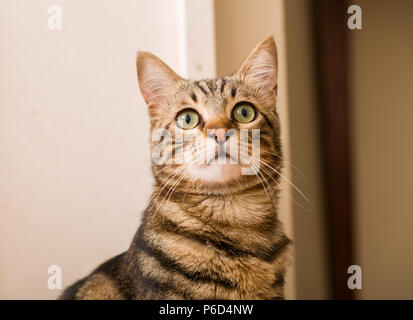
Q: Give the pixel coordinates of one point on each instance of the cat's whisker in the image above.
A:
(302, 176)
(163, 198)
(174, 186)
(262, 180)
(262, 183)
(188, 183)
(172, 177)
(287, 192)
(286, 179)
(170, 190)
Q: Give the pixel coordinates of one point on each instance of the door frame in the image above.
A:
(332, 47)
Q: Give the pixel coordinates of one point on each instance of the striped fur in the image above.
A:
(204, 239)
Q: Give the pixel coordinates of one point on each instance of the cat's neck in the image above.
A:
(251, 211)
(250, 203)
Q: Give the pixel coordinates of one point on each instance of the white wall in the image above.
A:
(74, 155)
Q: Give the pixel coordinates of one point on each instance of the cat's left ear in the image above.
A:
(157, 81)
(261, 68)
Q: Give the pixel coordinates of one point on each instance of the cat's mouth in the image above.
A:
(219, 168)
(222, 157)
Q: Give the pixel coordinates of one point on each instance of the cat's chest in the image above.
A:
(236, 210)
(224, 247)
(251, 279)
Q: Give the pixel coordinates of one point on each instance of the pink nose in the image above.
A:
(218, 134)
(218, 129)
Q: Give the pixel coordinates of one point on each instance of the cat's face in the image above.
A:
(213, 135)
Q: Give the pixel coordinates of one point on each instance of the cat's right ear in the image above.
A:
(157, 81)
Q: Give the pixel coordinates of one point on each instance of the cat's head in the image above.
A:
(217, 135)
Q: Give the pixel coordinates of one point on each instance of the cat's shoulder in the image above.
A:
(105, 282)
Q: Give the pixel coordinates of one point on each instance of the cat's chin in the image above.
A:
(216, 173)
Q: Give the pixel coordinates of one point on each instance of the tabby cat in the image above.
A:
(210, 231)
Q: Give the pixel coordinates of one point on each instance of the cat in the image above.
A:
(210, 231)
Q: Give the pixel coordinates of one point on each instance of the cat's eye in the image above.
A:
(187, 119)
(243, 113)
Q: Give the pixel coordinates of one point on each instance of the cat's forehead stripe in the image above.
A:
(223, 82)
(200, 86)
(233, 92)
(212, 85)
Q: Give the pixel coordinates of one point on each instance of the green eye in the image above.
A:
(187, 119)
(243, 113)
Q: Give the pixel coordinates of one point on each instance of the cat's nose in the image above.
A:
(220, 135)
(219, 130)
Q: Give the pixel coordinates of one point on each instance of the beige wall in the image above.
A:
(240, 24)
(311, 246)
(382, 83)
(74, 155)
